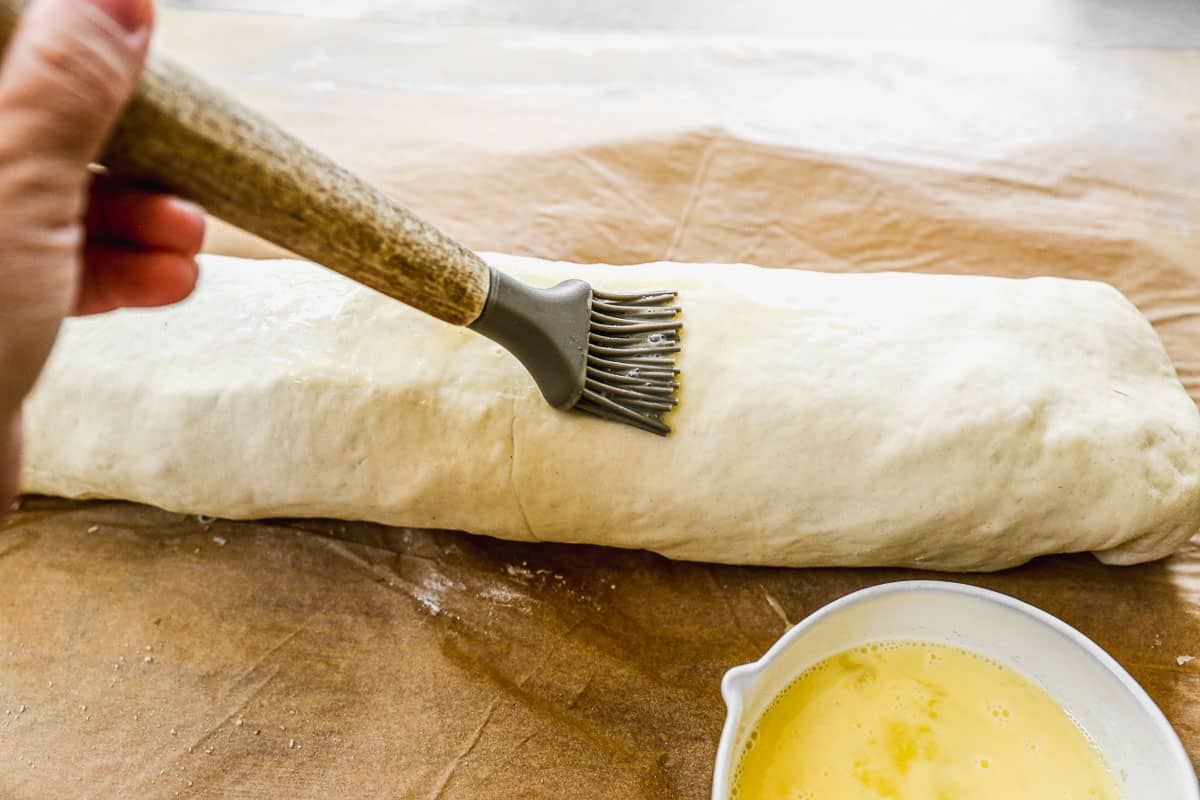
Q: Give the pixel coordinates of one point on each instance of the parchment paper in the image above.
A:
(143, 654)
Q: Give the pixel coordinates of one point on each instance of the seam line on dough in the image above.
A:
(512, 472)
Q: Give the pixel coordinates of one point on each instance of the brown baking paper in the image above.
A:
(145, 654)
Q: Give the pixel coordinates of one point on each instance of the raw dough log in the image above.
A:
(956, 423)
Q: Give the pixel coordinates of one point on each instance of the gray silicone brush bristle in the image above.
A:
(609, 355)
(631, 375)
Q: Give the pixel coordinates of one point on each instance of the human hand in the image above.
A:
(72, 242)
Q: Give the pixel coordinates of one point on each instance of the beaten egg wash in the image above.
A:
(918, 721)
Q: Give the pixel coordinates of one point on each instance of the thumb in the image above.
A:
(70, 67)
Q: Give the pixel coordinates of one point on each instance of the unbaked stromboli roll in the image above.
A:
(945, 422)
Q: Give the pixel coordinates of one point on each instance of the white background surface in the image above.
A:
(1108, 23)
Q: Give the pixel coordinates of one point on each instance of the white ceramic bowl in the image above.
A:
(1136, 739)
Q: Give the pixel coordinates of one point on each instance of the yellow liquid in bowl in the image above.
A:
(918, 721)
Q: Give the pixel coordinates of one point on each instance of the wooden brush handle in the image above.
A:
(183, 136)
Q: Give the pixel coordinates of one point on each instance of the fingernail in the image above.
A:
(188, 206)
(132, 15)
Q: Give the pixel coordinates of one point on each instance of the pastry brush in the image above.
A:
(607, 354)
